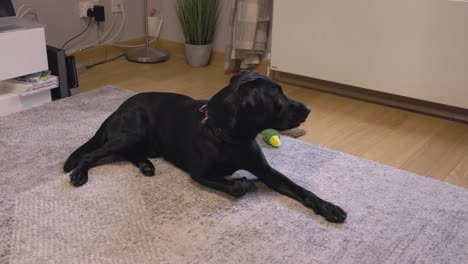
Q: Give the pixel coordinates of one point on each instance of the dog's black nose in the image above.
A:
(304, 110)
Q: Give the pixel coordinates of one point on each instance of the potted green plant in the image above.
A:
(197, 19)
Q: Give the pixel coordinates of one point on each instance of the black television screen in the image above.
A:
(6, 8)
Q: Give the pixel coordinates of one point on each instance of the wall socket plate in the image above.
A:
(115, 6)
(84, 5)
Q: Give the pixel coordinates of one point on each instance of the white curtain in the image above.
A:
(248, 34)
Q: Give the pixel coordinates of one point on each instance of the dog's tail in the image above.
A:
(92, 144)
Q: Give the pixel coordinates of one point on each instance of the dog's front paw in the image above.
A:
(147, 169)
(78, 177)
(240, 187)
(331, 213)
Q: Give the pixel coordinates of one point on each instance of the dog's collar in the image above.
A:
(204, 110)
(218, 132)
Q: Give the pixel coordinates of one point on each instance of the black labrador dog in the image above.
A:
(207, 139)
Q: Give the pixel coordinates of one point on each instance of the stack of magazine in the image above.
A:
(32, 83)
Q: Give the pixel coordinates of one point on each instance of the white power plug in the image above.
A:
(115, 6)
(85, 5)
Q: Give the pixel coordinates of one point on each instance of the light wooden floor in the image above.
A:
(426, 145)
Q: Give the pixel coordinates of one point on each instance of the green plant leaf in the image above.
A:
(197, 19)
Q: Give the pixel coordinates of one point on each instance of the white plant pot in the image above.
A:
(198, 55)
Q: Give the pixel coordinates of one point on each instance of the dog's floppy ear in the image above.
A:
(244, 77)
(245, 83)
(239, 75)
(247, 93)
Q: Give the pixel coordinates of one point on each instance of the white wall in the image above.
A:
(62, 20)
(171, 29)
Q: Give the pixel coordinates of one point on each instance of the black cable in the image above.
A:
(104, 61)
(104, 46)
(81, 33)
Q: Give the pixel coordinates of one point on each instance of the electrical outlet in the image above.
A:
(115, 6)
(85, 5)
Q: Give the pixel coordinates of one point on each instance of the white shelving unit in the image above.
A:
(22, 51)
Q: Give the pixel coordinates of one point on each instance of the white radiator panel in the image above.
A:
(416, 48)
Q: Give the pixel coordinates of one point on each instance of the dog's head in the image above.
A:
(253, 101)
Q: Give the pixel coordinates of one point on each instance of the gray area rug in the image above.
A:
(120, 216)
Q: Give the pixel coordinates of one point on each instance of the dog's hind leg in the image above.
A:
(93, 143)
(75, 157)
(120, 133)
(145, 166)
(80, 175)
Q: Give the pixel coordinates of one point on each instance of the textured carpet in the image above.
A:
(120, 216)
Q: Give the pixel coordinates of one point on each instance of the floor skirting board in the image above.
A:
(425, 107)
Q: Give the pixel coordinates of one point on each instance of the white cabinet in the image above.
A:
(416, 48)
(22, 51)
